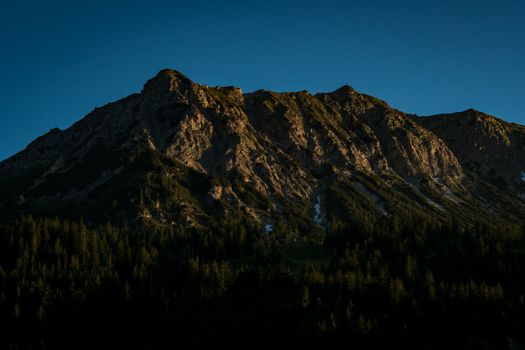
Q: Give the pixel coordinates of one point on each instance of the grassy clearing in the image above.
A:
(296, 254)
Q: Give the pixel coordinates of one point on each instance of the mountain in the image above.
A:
(183, 153)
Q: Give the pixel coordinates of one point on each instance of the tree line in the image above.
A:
(415, 283)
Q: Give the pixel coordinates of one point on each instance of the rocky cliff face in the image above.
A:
(180, 152)
(484, 144)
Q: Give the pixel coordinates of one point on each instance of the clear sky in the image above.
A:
(60, 59)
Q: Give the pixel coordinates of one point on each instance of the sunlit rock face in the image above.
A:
(181, 152)
(483, 143)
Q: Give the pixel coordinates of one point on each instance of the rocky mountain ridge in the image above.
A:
(183, 153)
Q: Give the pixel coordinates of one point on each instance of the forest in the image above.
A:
(415, 283)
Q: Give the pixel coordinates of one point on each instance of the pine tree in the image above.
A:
(397, 290)
(430, 286)
(305, 297)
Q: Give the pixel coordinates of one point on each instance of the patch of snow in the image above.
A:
(434, 204)
(53, 169)
(371, 196)
(317, 210)
(428, 200)
(268, 228)
(437, 179)
(104, 177)
(523, 176)
(21, 200)
(452, 196)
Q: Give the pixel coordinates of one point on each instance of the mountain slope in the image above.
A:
(184, 153)
(485, 144)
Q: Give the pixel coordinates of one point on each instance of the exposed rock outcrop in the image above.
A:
(181, 152)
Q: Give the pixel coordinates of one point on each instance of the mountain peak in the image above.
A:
(171, 73)
(345, 89)
(344, 92)
(166, 83)
(196, 152)
(471, 110)
(167, 79)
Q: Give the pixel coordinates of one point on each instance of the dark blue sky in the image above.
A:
(60, 59)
